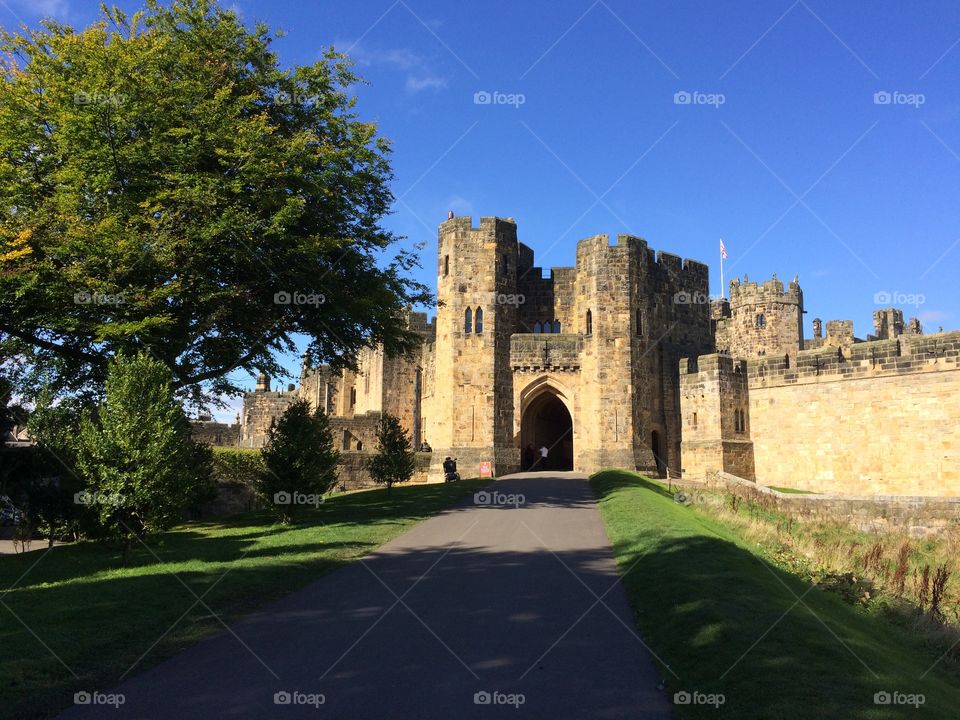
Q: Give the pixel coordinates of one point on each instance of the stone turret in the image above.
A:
(764, 319)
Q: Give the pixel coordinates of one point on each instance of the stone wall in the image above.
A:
(918, 516)
(871, 418)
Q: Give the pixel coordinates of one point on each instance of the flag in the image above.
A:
(723, 249)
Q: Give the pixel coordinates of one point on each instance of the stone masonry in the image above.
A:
(623, 361)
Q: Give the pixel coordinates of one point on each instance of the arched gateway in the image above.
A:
(546, 421)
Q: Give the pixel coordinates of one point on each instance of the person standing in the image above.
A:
(544, 451)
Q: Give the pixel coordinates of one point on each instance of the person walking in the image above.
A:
(529, 457)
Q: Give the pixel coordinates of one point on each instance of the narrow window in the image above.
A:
(761, 321)
(479, 320)
(546, 326)
(536, 327)
(446, 265)
(556, 326)
(589, 323)
(694, 420)
(353, 396)
(468, 321)
(639, 322)
(359, 445)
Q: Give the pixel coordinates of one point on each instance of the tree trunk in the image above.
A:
(126, 551)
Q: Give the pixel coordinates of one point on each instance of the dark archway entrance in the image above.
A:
(547, 422)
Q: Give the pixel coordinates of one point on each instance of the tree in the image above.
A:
(53, 484)
(136, 453)
(300, 460)
(166, 185)
(395, 460)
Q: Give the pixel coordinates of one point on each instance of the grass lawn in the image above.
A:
(727, 621)
(791, 491)
(99, 619)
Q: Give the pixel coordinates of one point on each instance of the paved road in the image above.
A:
(497, 599)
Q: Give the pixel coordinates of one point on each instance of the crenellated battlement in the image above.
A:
(745, 293)
(904, 355)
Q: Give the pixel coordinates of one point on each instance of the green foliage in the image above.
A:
(136, 452)
(237, 466)
(395, 460)
(299, 459)
(166, 185)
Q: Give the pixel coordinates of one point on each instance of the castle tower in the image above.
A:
(473, 386)
(716, 416)
(887, 323)
(263, 383)
(764, 319)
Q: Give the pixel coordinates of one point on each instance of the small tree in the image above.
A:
(136, 452)
(300, 460)
(395, 459)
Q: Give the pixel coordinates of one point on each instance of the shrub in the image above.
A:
(395, 460)
(137, 454)
(299, 459)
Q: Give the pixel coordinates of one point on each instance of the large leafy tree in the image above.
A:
(300, 462)
(141, 466)
(165, 185)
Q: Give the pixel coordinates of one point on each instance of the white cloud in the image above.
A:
(459, 205)
(416, 84)
(933, 316)
(420, 75)
(57, 9)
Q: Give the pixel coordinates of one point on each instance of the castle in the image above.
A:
(624, 361)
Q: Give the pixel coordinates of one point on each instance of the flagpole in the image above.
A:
(723, 294)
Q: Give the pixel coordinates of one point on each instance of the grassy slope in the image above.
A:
(99, 619)
(702, 598)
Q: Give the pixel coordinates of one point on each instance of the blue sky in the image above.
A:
(785, 149)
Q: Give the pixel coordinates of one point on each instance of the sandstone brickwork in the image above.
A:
(624, 361)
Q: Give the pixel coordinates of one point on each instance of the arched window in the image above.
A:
(536, 327)
(478, 320)
(468, 321)
(359, 445)
(589, 323)
(546, 326)
(639, 322)
(556, 326)
(761, 321)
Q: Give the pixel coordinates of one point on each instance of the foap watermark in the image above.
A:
(896, 97)
(885, 297)
(84, 297)
(295, 98)
(99, 98)
(495, 697)
(515, 299)
(95, 697)
(95, 497)
(295, 697)
(685, 697)
(298, 298)
(485, 97)
(496, 498)
(695, 97)
(690, 298)
(297, 498)
(895, 697)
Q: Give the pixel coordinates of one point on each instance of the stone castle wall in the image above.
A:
(872, 418)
